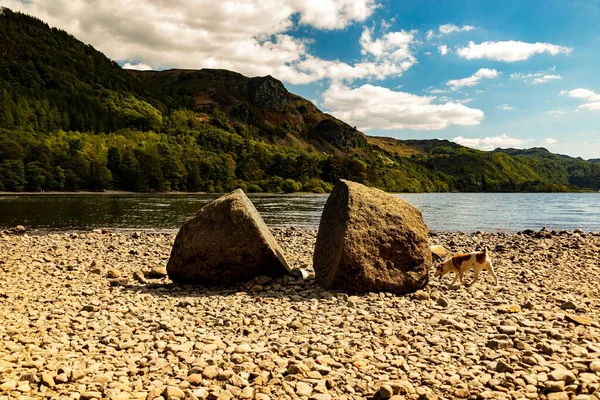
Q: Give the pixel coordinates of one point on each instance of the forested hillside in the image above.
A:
(72, 119)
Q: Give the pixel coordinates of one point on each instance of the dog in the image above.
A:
(460, 264)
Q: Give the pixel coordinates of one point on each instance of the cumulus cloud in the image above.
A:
(250, 36)
(443, 49)
(550, 141)
(580, 93)
(376, 107)
(509, 51)
(473, 80)
(555, 113)
(506, 107)
(493, 142)
(537, 77)
(138, 66)
(451, 28)
(592, 98)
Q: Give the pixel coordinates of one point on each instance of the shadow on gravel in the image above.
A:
(293, 290)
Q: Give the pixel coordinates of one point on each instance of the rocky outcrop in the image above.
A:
(226, 242)
(369, 240)
(339, 134)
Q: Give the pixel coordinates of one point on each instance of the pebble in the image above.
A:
(70, 327)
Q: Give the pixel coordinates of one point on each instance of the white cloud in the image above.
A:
(537, 77)
(595, 106)
(376, 107)
(555, 113)
(493, 142)
(430, 34)
(443, 49)
(138, 66)
(450, 28)
(506, 107)
(509, 51)
(592, 98)
(550, 141)
(250, 37)
(473, 80)
(580, 93)
(393, 45)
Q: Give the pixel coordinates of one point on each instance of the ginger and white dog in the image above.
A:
(460, 264)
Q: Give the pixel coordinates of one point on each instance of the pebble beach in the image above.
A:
(92, 315)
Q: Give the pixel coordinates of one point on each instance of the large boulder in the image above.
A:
(369, 240)
(225, 243)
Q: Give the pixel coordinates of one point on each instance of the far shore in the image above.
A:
(175, 192)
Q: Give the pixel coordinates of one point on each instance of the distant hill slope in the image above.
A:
(72, 119)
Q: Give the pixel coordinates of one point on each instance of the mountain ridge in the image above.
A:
(72, 119)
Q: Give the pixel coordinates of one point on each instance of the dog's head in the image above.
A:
(443, 268)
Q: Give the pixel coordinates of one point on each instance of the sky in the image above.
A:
(483, 73)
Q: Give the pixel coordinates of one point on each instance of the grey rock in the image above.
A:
(371, 241)
(225, 243)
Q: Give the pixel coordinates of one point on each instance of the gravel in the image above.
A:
(92, 316)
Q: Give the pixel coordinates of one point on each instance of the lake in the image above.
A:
(507, 212)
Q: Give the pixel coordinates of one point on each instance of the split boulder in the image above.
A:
(371, 241)
(225, 243)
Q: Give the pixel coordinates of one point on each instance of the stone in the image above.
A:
(420, 295)
(139, 276)
(321, 396)
(8, 386)
(442, 302)
(509, 309)
(48, 379)
(507, 329)
(113, 273)
(439, 252)
(561, 374)
(243, 348)
(554, 386)
(173, 392)
(225, 243)
(568, 305)
(210, 372)
(385, 392)
(595, 366)
(157, 272)
(503, 367)
(195, 379)
(558, 396)
(578, 319)
(90, 395)
(371, 241)
(303, 389)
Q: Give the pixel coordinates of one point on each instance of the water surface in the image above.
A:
(507, 212)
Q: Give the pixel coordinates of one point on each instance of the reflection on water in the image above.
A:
(441, 211)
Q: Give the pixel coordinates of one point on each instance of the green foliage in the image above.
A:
(72, 119)
(291, 186)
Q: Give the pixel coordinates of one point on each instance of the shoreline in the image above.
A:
(81, 319)
(125, 192)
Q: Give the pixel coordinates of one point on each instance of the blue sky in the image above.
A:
(486, 74)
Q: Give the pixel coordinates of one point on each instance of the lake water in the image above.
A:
(507, 212)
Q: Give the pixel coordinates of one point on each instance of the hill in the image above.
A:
(72, 119)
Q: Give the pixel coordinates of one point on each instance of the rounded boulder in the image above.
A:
(371, 241)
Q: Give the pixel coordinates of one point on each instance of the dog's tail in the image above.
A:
(485, 250)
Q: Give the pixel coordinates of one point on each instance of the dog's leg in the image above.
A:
(456, 276)
(477, 270)
(490, 269)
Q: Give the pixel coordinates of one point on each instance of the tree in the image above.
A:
(12, 175)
